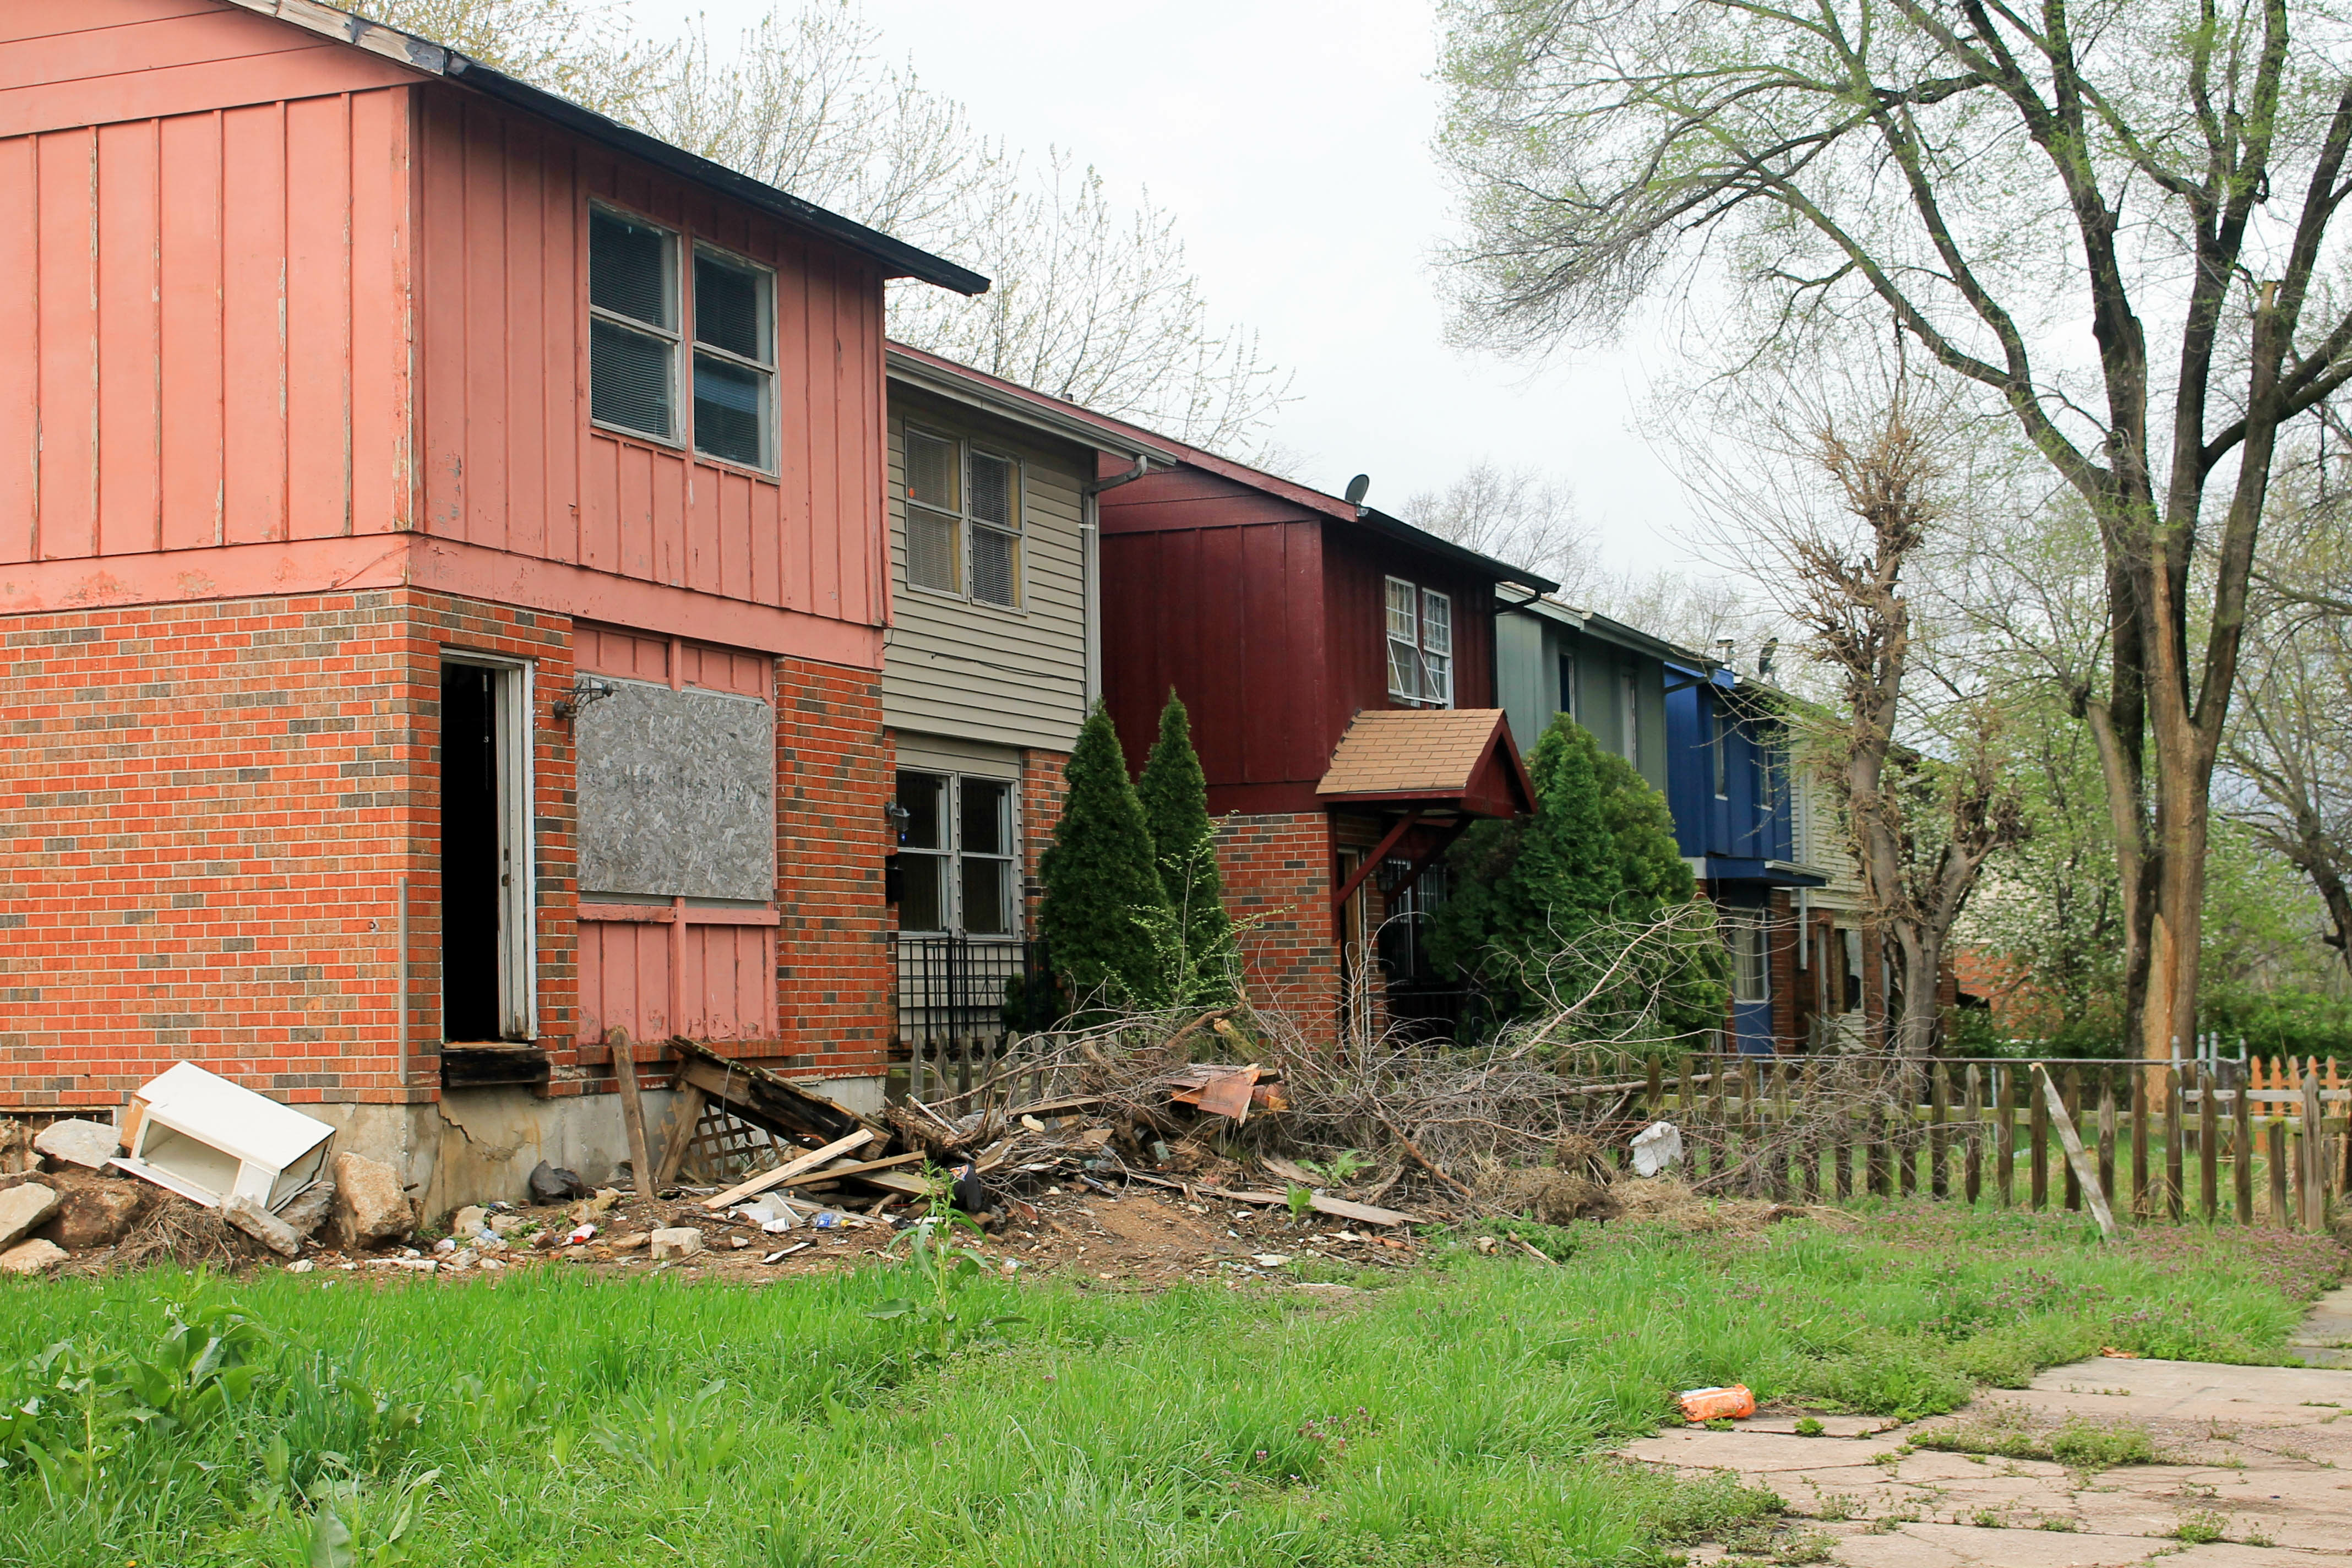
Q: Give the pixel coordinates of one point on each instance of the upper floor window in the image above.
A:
(632, 325)
(1421, 645)
(635, 340)
(734, 359)
(963, 520)
(1629, 716)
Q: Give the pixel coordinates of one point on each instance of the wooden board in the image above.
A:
(789, 1169)
(830, 1172)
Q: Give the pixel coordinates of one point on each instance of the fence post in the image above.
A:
(2241, 1123)
(2038, 1155)
(1939, 1094)
(2139, 1144)
(2004, 1138)
(2208, 1147)
(2175, 1184)
(2070, 1095)
(2314, 1155)
(2281, 1217)
(2108, 1135)
(1974, 1152)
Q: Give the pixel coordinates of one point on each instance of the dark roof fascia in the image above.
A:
(1459, 555)
(1008, 399)
(898, 258)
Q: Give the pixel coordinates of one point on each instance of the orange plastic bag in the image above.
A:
(1717, 1403)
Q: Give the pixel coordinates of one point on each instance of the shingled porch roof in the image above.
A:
(1437, 759)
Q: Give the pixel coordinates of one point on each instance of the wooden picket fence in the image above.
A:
(2259, 1141)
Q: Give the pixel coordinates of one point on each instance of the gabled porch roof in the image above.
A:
(1458, 760)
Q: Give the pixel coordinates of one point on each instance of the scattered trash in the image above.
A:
(1731, 1403)
(2113, 1353)
(1656, 1148)
(301, 1266)
(206, 1138)
(779, 1257)
(1270, 1259)
(583, 1234)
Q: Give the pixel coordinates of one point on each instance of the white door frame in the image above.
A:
(511, 709)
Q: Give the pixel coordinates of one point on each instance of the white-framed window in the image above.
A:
(964, 518)
(734, 359)
(1421, 644)
(632, 324)
(1751, 969)
(1849, 951)
(959, 865)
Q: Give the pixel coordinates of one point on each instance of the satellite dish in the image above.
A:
(1356, 488)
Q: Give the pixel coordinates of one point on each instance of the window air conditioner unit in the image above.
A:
(204, 1138)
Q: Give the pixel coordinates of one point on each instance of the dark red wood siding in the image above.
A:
(1267, 618)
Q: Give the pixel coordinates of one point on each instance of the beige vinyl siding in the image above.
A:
(953, 667)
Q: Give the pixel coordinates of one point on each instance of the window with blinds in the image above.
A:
(963, 520)
(734, 360)
(633, 334)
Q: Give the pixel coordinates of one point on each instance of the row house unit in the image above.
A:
(445, 575)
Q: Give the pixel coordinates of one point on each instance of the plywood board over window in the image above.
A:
(678, 793)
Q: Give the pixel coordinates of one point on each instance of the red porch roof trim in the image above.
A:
(1461, 758)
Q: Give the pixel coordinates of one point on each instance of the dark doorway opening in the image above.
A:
(471, 863)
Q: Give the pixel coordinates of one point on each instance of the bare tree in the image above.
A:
(1516, 515)
(1091, 299)
(1962, 166)
(1923, 828)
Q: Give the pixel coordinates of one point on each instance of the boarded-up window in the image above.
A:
(676, 793)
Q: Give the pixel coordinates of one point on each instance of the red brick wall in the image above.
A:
(832, 775)
(1277, 876)
(203, 813)
(1044, 787)
(205, 810)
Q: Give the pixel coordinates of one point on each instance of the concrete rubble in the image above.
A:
(21, 1208)
(89, 1144)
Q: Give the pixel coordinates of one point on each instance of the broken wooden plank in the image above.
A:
(901, 1183)
(859, 1168)
(1366, 1214)
(766, 1100)
(633, 1112)
(789, 1169)
(1226, 1095)
(2077, 1158)
(687, 1111)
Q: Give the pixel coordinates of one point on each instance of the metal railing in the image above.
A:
(962, 1000)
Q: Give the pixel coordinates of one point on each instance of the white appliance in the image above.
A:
(209, 1140)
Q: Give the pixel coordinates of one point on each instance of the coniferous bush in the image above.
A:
(1541, 905)
(1104, 904)
(1199, 939)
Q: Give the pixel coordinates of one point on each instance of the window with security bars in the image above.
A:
(632, 336)
(734, 360)
(956, 857)
(1421, 644)
(963, 520)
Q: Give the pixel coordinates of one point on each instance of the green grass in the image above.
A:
(1451, 1417)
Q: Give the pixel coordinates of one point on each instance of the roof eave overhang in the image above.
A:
(977, 389)
(898, 258)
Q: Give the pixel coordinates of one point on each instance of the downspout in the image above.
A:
(1090, 568)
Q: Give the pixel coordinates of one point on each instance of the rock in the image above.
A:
(473, 1217)
(675, 1242)
(507, 1223)
(370, 1206)
(311, 1207)
(594, 1207)
(553, 1184)
(17, 1154)
(31, 1258)
(79, 1143)
(631, 1242)
(21, 1208)
(301, 1266)
(262, 1225)
(487, 1241)
(95, 1212)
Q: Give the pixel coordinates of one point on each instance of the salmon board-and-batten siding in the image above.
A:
(956, 666)
(279, 297)
(204, 322)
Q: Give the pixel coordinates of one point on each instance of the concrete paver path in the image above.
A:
(2256, 1472)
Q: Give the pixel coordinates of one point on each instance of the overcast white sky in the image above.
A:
(1291, 140)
